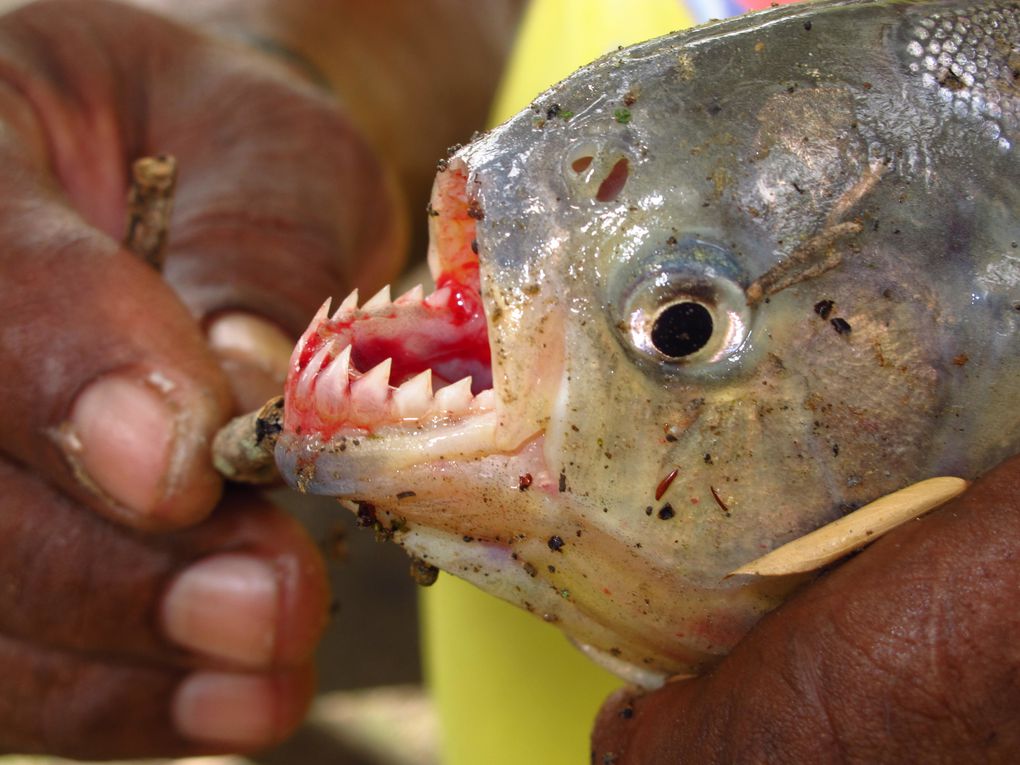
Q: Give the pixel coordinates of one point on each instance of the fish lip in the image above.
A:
(441, 404)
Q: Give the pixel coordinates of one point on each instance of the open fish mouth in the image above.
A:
(414, 371)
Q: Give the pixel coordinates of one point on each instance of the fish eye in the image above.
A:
(682, 328)
(683, 309)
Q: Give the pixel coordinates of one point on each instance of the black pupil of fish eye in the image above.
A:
(682, 329)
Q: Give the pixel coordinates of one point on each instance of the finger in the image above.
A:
(279, 202)
(906, 653)
(65, 704)
(246, 530)
(254, 354)
(114, 397)
(244, 589)
(108, 388)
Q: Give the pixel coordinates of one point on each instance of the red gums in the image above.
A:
(450, 338)
(312, 345)
(465, 303)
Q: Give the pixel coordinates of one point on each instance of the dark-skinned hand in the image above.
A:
(133, 620)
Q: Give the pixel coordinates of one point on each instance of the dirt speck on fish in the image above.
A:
(698, 271)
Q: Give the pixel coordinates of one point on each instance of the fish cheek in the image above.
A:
(620, 439)
(872, 385)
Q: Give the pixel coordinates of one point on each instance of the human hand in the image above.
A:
(116, 641)
(906, 653)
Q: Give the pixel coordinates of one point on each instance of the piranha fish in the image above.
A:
(704, 296)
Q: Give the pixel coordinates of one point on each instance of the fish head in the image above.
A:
(672, 329)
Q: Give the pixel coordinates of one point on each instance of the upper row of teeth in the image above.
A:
(339, 393)
(382, 299)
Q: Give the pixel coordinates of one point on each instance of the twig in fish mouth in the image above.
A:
(243, 448)
(861, 527)
(818, 254)
(150, 202)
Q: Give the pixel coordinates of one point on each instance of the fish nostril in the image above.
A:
(581, 164)
(613, 183)
(682, 329)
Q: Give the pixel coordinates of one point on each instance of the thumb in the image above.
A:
(108, 388)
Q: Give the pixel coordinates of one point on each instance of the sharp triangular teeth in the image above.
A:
(412, 399)
(323, 311)
(453, 398)
(381, 299)
(484, 401)
(304, 385)
(413, 296)
(349, 305)
(313, 327)
(439, 298)
(370, 392)
(332, 389)
(344, 360)
(380, 373)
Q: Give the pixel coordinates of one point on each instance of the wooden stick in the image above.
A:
(831, 542)
(150, 202)
(818, 254)
(243, 449)
(809, 261)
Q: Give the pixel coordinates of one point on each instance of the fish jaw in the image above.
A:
(396, 382)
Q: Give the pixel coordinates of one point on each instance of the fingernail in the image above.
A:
(120, 437)
(226, 607)
(255, 354)
(228, 709)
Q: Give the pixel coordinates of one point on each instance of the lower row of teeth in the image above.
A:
(340, 393)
